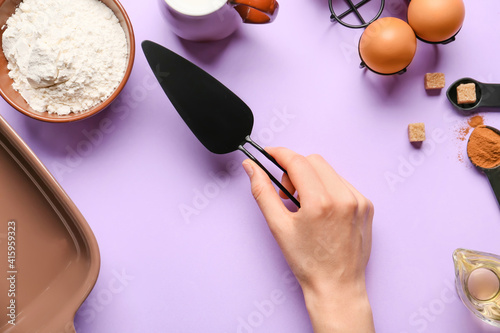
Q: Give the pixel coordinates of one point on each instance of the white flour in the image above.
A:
(64, 55)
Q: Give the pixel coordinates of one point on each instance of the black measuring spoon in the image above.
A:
(216, 116)
(493, 173)
(487, 95)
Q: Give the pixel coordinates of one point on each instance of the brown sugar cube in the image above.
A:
(434, 81)
(416, 132)
(466, 93)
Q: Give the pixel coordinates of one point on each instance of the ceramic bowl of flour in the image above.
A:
(63, 86)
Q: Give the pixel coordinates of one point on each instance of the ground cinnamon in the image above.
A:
(464, 130)
(472, 122)
(484, 147)
(475, 121)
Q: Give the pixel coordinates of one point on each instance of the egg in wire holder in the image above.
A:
(442, 42)
(353, 9)
(363, 24)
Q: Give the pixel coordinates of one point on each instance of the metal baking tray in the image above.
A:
(49, 257)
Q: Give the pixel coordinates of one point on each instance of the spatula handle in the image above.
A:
(274, 180)
(264, 152)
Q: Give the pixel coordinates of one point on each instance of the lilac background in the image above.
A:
(165, 272)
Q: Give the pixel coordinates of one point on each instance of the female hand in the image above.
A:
(326, 243)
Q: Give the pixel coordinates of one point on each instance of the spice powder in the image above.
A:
(484, 147)
(475, 121)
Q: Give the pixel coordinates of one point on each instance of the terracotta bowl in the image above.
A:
(7, 8)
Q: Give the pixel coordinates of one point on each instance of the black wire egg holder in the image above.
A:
(353, 8)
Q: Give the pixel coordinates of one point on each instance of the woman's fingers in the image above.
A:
(333, 183)
(287, 183)
(365, 206)
(365, 212)
(265, 194)
(301, 173)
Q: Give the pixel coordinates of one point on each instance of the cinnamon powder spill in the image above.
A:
(463, 132)
(475, 121)
(472, 122)
(461, 156)
(484, 147)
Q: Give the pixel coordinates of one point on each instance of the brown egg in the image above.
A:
(436, 20)
(388, 45)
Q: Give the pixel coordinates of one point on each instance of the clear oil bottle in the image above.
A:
(478, 283)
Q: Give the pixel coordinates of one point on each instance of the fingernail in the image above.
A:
(248, 169)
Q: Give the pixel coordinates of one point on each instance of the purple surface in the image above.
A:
(214, 270)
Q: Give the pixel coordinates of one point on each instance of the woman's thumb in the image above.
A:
(263, 191)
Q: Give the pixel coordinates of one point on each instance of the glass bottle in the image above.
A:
(478, 283)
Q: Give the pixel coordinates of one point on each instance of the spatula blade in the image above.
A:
(216, 116)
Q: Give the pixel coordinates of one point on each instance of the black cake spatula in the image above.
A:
(217, 117)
